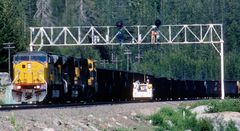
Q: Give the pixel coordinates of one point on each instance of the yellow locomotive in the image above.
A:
(38, 76)
(29, 76)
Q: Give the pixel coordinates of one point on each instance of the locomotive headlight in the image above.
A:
(29, 65)
(18, 87)
(38, 86)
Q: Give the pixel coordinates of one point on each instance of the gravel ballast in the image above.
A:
(92, 118)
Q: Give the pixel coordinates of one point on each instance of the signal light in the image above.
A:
(158, 22)
(120, 36)
(119, 24)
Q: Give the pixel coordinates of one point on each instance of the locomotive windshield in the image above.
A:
(39, 58)
(18, 58)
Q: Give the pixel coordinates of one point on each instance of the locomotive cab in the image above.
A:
(29, 76)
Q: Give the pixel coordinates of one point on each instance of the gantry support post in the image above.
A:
(222, 65)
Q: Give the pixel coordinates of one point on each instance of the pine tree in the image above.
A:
(44, 13)
(11, 28)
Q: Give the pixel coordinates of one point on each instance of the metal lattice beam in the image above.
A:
(139, 34)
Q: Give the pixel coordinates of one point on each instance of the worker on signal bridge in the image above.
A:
(155, 31)
(154, 36)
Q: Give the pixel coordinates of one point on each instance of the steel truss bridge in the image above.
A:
(130, 35)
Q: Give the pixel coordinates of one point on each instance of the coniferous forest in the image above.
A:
(177, 61)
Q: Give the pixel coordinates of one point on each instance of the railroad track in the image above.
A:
(83, 104)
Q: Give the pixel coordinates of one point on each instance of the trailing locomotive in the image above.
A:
(43, 77)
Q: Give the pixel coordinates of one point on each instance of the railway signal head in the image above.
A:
(158, 23)
(119, 24)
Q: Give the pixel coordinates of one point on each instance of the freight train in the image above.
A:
(44, 77)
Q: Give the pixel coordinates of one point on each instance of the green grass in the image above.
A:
(179, 120)
(182, 119)
(13, 121)
(1, 98)
(217, 105)
(225, 105)
(1, 102)
(230, 126)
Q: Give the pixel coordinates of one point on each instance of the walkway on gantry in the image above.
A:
(130, 35)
